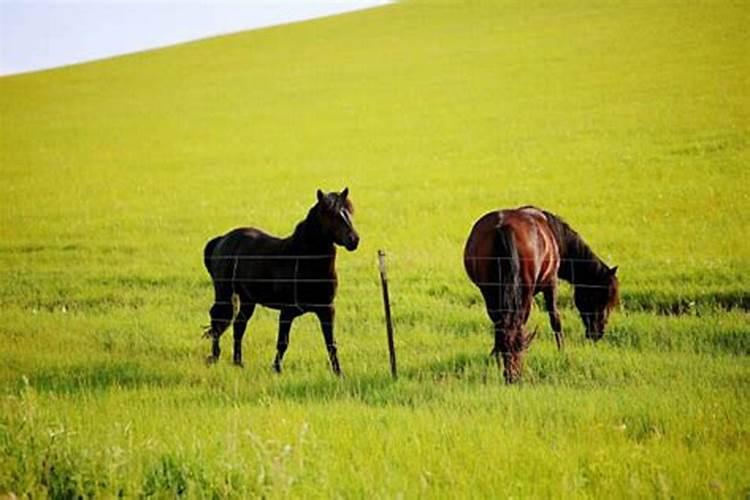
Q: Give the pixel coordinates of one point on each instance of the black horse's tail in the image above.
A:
(208, 254)
(509, 278)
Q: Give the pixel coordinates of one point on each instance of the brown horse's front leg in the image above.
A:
(496, 349)
(550, 303)
(326, 316)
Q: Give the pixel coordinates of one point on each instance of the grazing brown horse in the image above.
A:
(512, 255)
(295, 275)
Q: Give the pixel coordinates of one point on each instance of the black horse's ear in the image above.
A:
(320, 195)
(613, 271)
(344, 193)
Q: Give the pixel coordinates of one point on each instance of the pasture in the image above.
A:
(630, 120)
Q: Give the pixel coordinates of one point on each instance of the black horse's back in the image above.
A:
(208, 253)
(242, 242)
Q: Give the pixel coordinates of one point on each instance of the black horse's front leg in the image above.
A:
(326, 317)
(286, 316)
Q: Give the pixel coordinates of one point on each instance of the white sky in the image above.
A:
(40, 34)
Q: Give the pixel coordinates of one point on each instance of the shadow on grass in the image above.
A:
(419, 384)
(433, 382)
(711, 339)
(697, 303)
(98, 376)
(373, 390)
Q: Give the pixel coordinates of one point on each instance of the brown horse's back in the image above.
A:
(480, 247)
(533, 239)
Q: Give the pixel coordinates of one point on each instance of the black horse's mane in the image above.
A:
(307, 231)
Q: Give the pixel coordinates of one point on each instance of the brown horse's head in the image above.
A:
(335, 212)
(595, 301)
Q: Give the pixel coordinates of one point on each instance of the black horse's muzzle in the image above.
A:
(352, 242)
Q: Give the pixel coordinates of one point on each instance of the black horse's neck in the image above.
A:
(578, 263)
(309, 238)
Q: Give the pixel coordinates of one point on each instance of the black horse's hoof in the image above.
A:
(276, 367)
(210, 360)
(239, 364)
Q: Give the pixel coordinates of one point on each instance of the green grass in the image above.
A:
(632, 121)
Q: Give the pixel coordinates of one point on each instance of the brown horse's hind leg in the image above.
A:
(550, 303)
(503, 350)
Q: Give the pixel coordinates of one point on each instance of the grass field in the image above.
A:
(629, 119)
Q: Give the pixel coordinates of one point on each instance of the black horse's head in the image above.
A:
(595, 301)
(335, 214)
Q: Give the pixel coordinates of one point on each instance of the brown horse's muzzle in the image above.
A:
(594, 324)
(595, 336)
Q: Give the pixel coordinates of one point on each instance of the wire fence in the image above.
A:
(287, 281)
(413, 285)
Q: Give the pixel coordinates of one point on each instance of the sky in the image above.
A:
(41, 34)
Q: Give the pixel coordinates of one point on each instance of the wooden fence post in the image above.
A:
(387, 305)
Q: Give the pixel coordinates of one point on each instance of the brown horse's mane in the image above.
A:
(578, 263)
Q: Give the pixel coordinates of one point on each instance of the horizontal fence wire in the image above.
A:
(329, 256)
(399, 286)
(529, 259)
(276, 280)
(496, 284)
(282, 304)
(365, 291)
(317, 306)
(271, 257)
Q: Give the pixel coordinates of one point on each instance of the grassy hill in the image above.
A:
(632, 121)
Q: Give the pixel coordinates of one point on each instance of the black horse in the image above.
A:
(295, 275)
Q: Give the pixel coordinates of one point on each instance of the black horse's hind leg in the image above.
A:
(286, 316)
(550, 303)
(326, 316)
(239, 325)
(221, 315)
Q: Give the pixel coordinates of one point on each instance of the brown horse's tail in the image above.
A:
(208, 254)
(509, 278)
